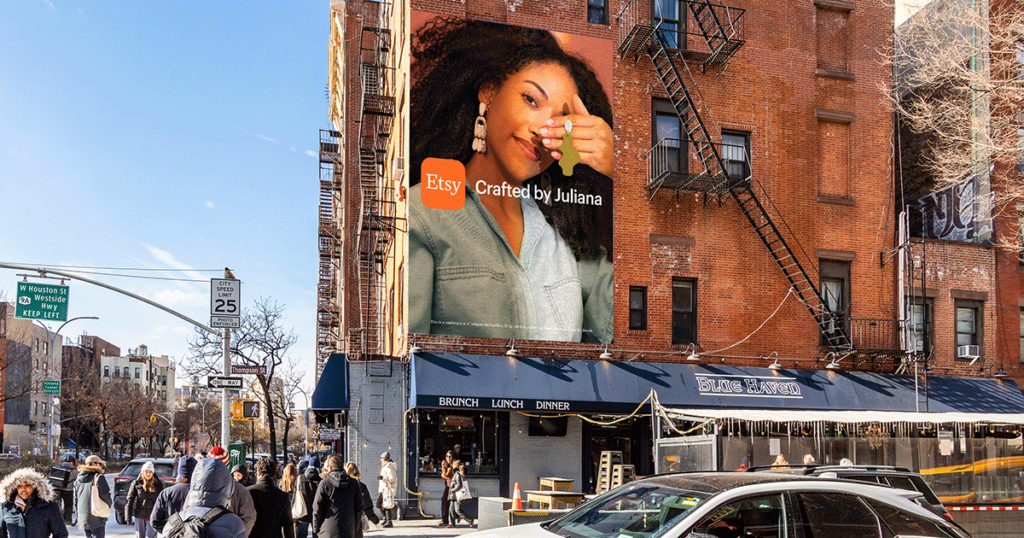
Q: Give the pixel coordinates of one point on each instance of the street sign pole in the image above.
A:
(225, 412)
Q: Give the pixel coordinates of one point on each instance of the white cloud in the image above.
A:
(208, 204)
(168, 259)
(311, 153)
(181, 298)
(257, 135)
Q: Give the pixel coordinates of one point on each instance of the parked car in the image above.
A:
(9, 456)
(886, 475)
(165, 469)
(744, 505)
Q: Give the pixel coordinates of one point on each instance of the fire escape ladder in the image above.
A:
(831, 324)
(713, 178)
(377, 204)
(712, 173)
(719, 26)
(330, 245)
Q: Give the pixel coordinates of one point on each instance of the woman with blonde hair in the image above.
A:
(366, 501)
(289, 475)
(142, 494)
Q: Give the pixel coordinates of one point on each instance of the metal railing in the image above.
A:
(873, 334)
(670, 162)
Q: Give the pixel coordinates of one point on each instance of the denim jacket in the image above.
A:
(464, 279)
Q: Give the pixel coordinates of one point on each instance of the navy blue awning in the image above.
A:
(331, 392)
(551, 385)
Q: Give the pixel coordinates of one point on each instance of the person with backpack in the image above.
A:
(28, 509)
(240, 500)
(273, 511)
(91, 475)
(352, 470)
(142, 494)
(307, 483)
(171, 500)
(337, 506)
(206, 514)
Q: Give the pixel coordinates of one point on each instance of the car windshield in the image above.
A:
(642, 510)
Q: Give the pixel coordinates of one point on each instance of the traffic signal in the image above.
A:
(236, 410)
(152, 418)
(251, 409)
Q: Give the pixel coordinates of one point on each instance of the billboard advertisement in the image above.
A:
(510, 202)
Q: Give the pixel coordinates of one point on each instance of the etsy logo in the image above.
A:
(442, 184)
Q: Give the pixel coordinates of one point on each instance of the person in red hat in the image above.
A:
(241, 501)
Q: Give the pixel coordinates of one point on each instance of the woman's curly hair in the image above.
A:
(452, 59)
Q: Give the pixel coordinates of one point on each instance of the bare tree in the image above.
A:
(291, 382)
(77, 400)
(957, 92)
(261, 340)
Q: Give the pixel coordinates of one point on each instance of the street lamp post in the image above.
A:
(202, 405)
(305, 447)
(49, 374)
(169, 422)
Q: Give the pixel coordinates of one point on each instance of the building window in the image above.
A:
(835, 292)
(736, 154)
(475, 432)
(1022, 335)
(1020, 234)
(597, 11)
(37, 345)
(968, 329)
(46, 367)
(670, 17)
(126, 371)
(637, 308)
(35, 364)
(920, 327)
(117, 372)
(668, 139)
(1020, 150)
(46, 348)
(138, 373)
(684, 311)
(106, 371)
(44, 407)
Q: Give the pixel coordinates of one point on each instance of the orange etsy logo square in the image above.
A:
(442, 184)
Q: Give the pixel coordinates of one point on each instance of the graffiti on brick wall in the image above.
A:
(956, 213)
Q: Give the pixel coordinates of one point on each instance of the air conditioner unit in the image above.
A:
(968, 352)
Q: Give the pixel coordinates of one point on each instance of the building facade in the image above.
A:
(153, 374)
(29, 361)
(746, 227)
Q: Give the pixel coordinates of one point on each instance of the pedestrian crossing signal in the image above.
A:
(250, 409)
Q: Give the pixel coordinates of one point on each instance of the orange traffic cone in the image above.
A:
(517, 499)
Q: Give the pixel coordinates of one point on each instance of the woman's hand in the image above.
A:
(591, 135)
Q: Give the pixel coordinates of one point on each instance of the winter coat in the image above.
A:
(388, 485)
(458, 482)
(170, 501)
(273, 511)
(41, 518)
(210, 487)
(367, 507)
(308, 483)
(140, 502)
(337, 506)
(241, 504)
(87, 475)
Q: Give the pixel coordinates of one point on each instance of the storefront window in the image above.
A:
(475, 434)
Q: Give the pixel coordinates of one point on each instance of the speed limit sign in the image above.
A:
(225, 299)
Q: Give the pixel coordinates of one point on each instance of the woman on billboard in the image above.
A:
(510, 209)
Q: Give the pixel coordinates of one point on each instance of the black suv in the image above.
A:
(896, 477)
(164, 468)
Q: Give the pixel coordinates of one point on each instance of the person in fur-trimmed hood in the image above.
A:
(28, 509)
(89, 474)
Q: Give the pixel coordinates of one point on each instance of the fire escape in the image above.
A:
(719, 28)
(376, 225)
(328, 292)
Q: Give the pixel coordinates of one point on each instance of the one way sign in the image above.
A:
(223, 382)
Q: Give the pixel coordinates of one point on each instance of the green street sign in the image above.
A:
(51, 387)
(42, 301)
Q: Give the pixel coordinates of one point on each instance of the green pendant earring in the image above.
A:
(570, 157)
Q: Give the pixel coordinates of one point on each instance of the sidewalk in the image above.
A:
(412, 528)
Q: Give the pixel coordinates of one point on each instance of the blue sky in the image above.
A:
(169, 135)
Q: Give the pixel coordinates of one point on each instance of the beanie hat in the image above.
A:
(386, 456)
(219, 453)
(185, 467)
(148, 466)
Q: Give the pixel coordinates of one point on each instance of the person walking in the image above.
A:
(67, 492)
(446, 474)
(210, 491)
(273, 511)
(171, 500)
(387, 488)
(89, 475)
(454, 504)
(28, 509)
(240, 473)
(369, 516)
(289, 476)
(142, 494)
(240, 500)
(307, 483)
(337, 506)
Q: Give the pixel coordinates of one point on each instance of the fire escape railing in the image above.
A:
(330, 244)
(709, 172)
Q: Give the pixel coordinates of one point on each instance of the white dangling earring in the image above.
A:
(480, 131)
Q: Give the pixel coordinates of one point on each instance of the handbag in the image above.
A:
(97, 507)
(299, 505)
(463, 494)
